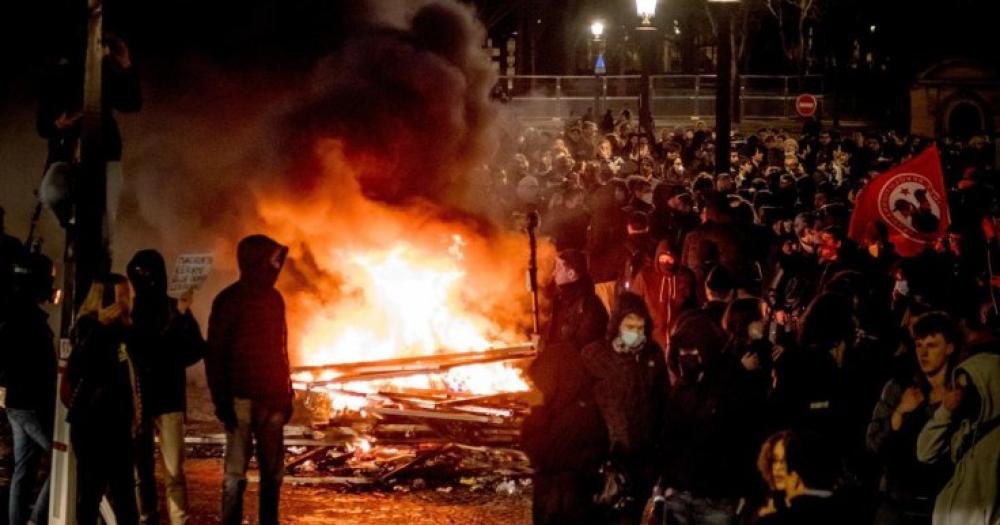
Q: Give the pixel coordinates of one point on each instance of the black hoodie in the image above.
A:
(164, 342)
(247, 337)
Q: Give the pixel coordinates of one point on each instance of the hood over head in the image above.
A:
(984, 371)
(148, 273)
(695, 329)
(664, 248)
(260, 260)
(629, 303)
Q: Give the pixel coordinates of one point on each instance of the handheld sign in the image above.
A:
(806, 105)
(190, 272)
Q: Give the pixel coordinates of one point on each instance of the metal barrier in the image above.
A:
(762, 97)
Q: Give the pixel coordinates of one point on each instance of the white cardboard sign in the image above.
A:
(190, 272)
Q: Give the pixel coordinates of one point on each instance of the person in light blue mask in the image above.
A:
(630, 389)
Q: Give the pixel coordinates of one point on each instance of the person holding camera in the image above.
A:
(104, 402)
(28, 375)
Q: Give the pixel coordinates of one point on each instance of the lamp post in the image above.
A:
(724, 81)
(646, 9)
(597, 29)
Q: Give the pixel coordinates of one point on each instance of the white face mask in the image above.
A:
(631, 338)
(646, 197)
(902, 287)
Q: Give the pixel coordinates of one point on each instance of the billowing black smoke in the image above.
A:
(409, 104)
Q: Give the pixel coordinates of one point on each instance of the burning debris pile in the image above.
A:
(397, 423)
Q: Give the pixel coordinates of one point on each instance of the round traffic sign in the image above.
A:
(806, 105)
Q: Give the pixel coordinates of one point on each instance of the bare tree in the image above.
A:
(794, 14)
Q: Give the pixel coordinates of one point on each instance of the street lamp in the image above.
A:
(723, 91)
(597, 29)
(646, 9)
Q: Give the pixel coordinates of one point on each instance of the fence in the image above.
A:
(673, 96)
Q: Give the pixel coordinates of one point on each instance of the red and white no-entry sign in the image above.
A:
(806, 105)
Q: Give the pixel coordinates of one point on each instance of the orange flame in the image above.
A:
(373, 282)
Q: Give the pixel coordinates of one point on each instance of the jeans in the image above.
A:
(266, 425)
(31, 440)
(685, 508)
(170, 428)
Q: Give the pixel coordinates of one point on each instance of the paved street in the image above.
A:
(326, 505)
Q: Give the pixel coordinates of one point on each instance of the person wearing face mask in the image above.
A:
(166, 340)
(630, 387)
(249, 377)
(713, 426)
(102, 392)
(966, 429)
(666, 287)
(564, 436)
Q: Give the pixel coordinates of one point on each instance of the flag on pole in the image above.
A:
(910, 200)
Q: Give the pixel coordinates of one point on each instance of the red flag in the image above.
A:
(910, 199)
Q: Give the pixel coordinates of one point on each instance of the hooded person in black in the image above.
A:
(249, 377)
(166, 339)
(712, 429)
(565, 436)
(630, 387)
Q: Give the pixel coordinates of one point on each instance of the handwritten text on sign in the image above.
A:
(190, 272)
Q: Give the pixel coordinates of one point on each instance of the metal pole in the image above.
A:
(646, 34)
(723, 92)
(533, 220)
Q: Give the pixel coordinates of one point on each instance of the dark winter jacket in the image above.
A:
(247, 354)
(904, 478)
(103, 397)
(566, 433)
(164, 341)
(606, 237)
(713, 418)
(714, 243)
(578, 316)
(630, 390)
(28, 360)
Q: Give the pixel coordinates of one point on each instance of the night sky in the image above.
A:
(293, 33)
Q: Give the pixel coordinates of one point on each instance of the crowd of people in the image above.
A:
(719, 350)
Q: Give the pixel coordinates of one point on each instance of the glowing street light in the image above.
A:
(646, 9)
(597, 29)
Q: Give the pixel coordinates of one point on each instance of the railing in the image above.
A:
(673, 96)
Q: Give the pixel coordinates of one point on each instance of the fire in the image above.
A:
(369, 282)
(405, 303)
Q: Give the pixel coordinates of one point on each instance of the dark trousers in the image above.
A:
(264, 424)
(563, 498)
(104, 467)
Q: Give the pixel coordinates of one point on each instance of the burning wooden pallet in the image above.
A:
(381, 430)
